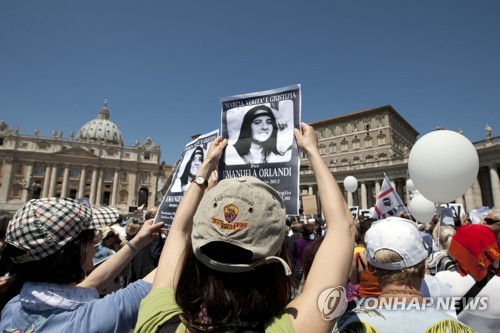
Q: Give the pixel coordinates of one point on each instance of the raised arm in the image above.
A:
(180, 231)
(109, 269)
(332, 262)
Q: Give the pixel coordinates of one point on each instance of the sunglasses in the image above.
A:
(490, 221)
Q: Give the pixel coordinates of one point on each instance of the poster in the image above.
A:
(190, 162)
(259, 128)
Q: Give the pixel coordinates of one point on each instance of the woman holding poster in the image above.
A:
(258, 139)
(224, 267)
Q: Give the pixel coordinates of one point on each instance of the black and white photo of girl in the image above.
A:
(259, 134)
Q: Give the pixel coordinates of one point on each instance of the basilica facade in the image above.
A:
(94, 164)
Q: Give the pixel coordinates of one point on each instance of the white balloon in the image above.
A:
(443, 165)
(422, 209)
(410, 186)
(350, 183)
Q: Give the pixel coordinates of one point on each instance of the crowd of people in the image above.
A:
(233, 261)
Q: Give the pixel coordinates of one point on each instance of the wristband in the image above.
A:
(132, 246)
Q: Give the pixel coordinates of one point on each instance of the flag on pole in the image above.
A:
(388, 201)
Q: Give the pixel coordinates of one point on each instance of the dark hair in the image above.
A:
(256, 296)
(363, 227)
(5, 217)
(307, 229)
(187, 170)
(62, 267)
(308, 255)
(242, 145)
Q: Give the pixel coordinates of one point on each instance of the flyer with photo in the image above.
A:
(193, 156)
(259, 129)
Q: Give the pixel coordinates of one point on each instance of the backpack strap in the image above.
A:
(473, 291)
(170, 326)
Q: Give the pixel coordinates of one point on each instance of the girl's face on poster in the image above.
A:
(195, 164)
(262, 128)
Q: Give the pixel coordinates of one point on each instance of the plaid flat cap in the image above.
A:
(42, 227)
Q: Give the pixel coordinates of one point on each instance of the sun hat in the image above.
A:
(399, 235)
(243, 216)
(42, 227)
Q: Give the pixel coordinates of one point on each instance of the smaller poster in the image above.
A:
(190, 162)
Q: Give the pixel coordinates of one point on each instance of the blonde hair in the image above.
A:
(445, 235)
(410, 276)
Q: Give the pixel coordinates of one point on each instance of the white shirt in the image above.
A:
(451, 283)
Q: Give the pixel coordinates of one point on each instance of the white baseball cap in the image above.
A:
(399, 235)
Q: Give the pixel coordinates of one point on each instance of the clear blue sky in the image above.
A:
(164, 65)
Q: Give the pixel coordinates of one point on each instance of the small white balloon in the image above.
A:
(410, 186)
(443, 165)
(422, 209)
(350, 184)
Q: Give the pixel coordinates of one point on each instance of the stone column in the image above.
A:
(114, 194)
(132, 188)
(81, 186)
(98, 196)
(469, 199)
(46, 181)
(53, 181)
(476, 190)
(377, 189)
(93, 187)
(364, 204)
(64, 190)
(495, 186)
(349, 198)
(311, 191)
(6, 177)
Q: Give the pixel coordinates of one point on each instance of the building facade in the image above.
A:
(370, 143)
(95, 164)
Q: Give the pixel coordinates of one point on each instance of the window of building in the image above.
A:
(356, 160)
(322, 149)
(39, 170)
(344, 145)
(382, 157)
(144, 178)
(147, 156)
(24, 144)
(355, 142)
(344, 162)
(380, 122)
(369, 159)
(108, 175)
(126, 155)
(123, 197)
(333, 147)
(343, 129)
(1, 141)
(381, 140)
(75, 172)
(111, 152)
(368, 142)
(354, 127)
(319, 134)
(124, 177)
(19, 169)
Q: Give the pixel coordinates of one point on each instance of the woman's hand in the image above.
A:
(306, 138)
(147, 233)
(214, 152)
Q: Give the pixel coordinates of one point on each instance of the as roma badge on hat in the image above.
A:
(230, 212)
